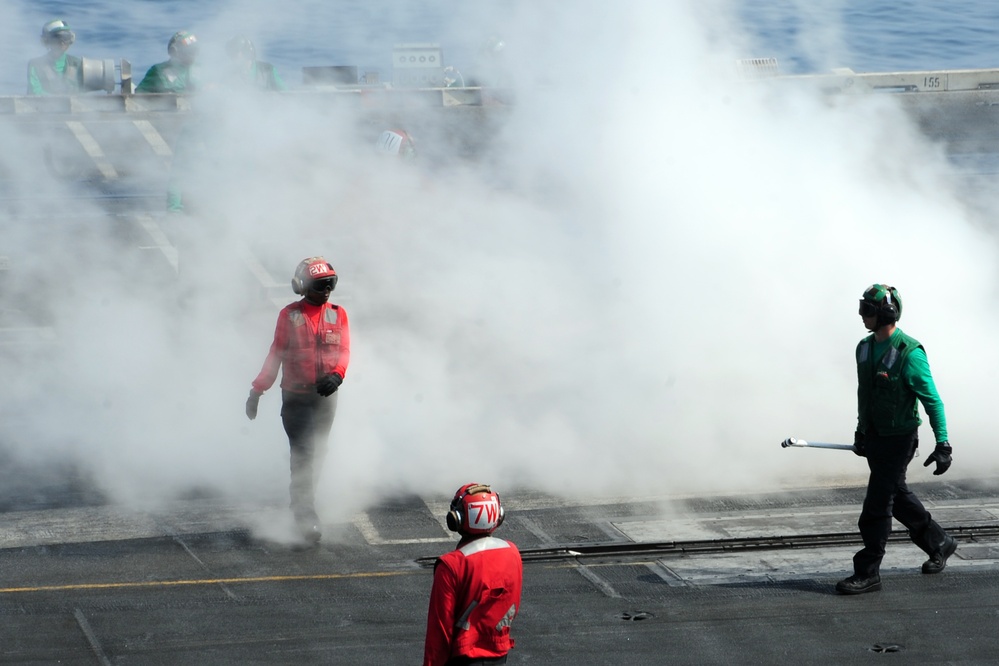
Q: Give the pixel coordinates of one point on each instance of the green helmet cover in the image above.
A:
(183, 42)
(886, 301)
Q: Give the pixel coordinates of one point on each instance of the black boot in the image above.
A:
(938, 560)
(308, 526)
(311, 534)
(856, 584)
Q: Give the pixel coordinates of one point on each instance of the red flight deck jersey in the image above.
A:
(309, 341)
(476, 595)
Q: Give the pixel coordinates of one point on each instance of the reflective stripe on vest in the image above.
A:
(507, 620)
(297, 318)
(890, 357)
(462, 622)
(888, 360)
(485, 543)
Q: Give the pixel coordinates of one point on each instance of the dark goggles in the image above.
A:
(868, 309)
(323, 284)
(61, 37)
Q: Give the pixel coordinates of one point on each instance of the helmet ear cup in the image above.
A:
(892, 303)
(889, 310)
(453, 519)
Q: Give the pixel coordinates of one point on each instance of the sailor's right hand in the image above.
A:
(860, 444)
(251, 404)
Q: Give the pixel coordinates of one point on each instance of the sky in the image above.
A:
(647, 282)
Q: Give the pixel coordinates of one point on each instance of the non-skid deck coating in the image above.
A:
(193, 584)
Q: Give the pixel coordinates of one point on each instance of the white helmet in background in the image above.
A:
(57, 33)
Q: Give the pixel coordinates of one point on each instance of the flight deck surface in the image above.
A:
(198, 583)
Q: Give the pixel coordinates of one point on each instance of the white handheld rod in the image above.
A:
(793, 441)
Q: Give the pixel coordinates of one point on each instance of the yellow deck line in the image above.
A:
(200, 581)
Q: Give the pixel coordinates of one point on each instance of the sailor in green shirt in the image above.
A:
(248, 72)
(176, 75)
(56, 72)
(892, 374)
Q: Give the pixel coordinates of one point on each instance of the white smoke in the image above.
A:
(648, 282)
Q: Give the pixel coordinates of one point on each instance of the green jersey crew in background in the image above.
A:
(246, 71)
(178, 74)
(312, 348)
(892, 374)
(56, 72)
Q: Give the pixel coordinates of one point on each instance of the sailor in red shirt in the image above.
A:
(312, 345)
(476, 592)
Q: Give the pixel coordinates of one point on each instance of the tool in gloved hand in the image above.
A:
(328, 384)
(941, 456)
(801, 443)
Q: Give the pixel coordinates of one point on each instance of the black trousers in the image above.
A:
(307, 419)
(887, 497)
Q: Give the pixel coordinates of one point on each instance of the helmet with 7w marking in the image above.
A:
(475, 510)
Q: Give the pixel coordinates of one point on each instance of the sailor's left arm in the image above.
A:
(920, 381)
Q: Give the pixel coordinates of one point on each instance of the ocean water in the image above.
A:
(875, 35)
(865, 35)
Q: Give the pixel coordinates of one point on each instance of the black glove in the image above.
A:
(941, 456)
(328, 385)
(251, 404)
(860, 444)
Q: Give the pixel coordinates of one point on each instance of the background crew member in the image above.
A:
(177, 74)
(476, 591)
(247, 71)
(312, 345)
(892, 372)
(56, 72)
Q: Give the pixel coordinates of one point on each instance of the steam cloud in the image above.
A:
(645, 284)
